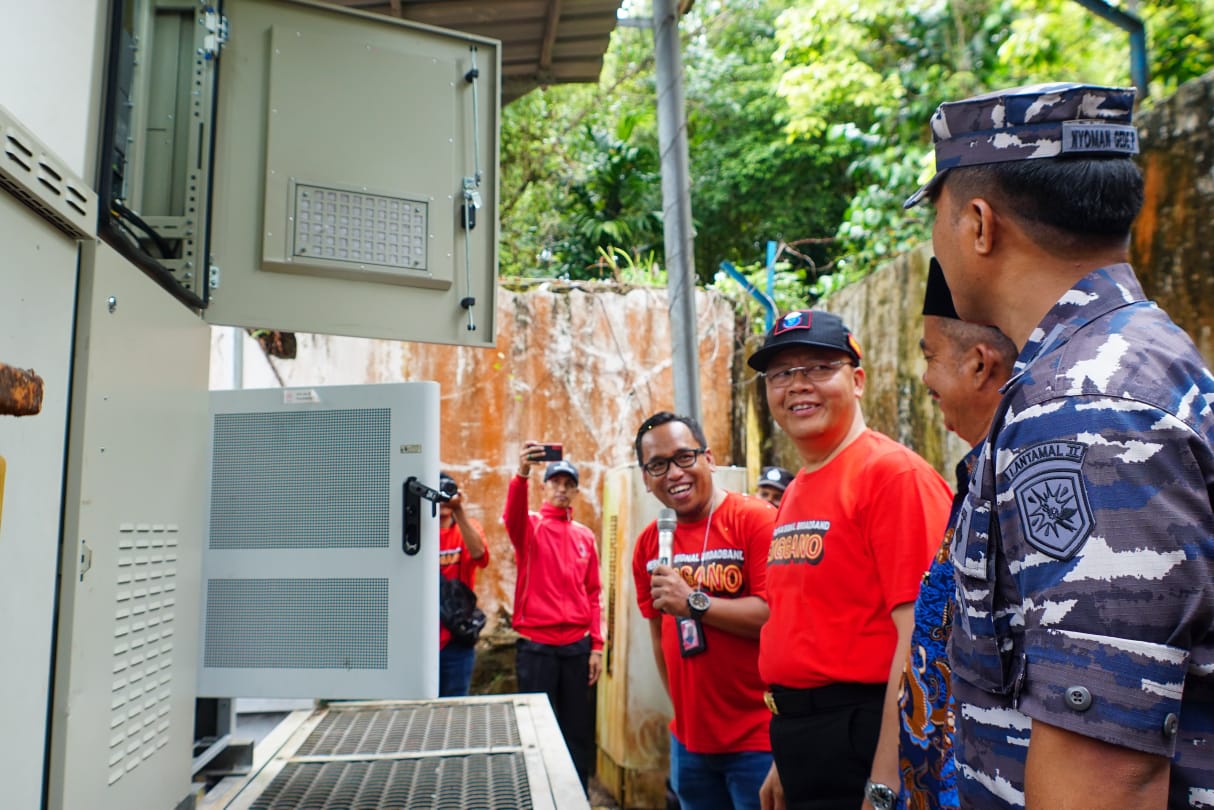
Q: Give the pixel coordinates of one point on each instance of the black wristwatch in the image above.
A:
(881, 797)
(697, 603)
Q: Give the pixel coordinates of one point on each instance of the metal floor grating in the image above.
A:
(458, 754)
(468, 782)
(414, 729)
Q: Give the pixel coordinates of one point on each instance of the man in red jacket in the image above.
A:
(557, 610)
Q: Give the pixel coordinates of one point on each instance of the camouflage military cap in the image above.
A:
(1027, 123)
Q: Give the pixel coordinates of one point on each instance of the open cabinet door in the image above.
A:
(127, 636)
(355, 176)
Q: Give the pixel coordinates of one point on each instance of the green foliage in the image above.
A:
(807, 124)
(751, 182)
(632, 268)
(870, 74)
(616, 203)
(787, 291)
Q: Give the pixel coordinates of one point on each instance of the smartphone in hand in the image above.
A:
(549, 452)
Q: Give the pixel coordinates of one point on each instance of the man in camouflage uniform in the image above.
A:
(1083, 650)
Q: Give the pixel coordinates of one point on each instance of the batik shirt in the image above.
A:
(928, 775)
(1091, 607)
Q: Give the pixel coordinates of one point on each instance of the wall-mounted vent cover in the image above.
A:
(297, 623)
(341, 228)
(303, 479)
(42, 181)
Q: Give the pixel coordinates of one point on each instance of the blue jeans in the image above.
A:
(455, 669)
(717, 781)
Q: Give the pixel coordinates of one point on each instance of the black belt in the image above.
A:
(799, 702)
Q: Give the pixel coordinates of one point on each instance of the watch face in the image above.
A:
(698, 601)
(882, 797)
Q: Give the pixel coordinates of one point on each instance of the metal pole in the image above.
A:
(1133, 24)
(676, 208)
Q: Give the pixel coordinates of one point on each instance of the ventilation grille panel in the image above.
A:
(141, 688)
(334, 225)
(445, 754)
(426, 728)
(297, 623)
(305, 479)
(471, 781)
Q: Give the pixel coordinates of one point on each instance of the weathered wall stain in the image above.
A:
(1172, 247)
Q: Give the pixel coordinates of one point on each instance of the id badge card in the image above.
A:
(691, 637)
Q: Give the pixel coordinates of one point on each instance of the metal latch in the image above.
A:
(415, 492)
(472, 202)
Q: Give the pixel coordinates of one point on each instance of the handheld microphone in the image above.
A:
(666, 524)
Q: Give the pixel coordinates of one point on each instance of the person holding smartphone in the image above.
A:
(557, 605)
(461, 551)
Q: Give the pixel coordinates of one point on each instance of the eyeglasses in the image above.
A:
(684, 459)
(817, 373)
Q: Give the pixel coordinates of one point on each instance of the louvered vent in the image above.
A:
(38, 178)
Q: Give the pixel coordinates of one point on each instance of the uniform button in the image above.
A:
(1078, 698)
(1171, 724)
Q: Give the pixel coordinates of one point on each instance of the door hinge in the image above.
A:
(216, 27)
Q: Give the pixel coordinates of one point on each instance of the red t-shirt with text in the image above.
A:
(851, 543)
(717, 695)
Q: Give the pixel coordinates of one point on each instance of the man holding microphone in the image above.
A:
(700, 574)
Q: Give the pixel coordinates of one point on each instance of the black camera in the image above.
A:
(448, 488)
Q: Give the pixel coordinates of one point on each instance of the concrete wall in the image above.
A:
(1172, 247)
(582, 364)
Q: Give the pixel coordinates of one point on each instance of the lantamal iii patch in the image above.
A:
(1055, 515)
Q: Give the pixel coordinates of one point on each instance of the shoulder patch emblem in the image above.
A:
(1047, 480)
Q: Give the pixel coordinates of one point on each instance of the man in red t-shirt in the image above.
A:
(705, 607)
(557, 601)
(856, 530)
(461, 550)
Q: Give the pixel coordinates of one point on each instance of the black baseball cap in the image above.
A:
(806, 327)
(561, 467)
(775, 477)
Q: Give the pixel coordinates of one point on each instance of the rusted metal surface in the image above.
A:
(20, 391)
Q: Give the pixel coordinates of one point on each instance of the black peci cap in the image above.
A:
(937, 298)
